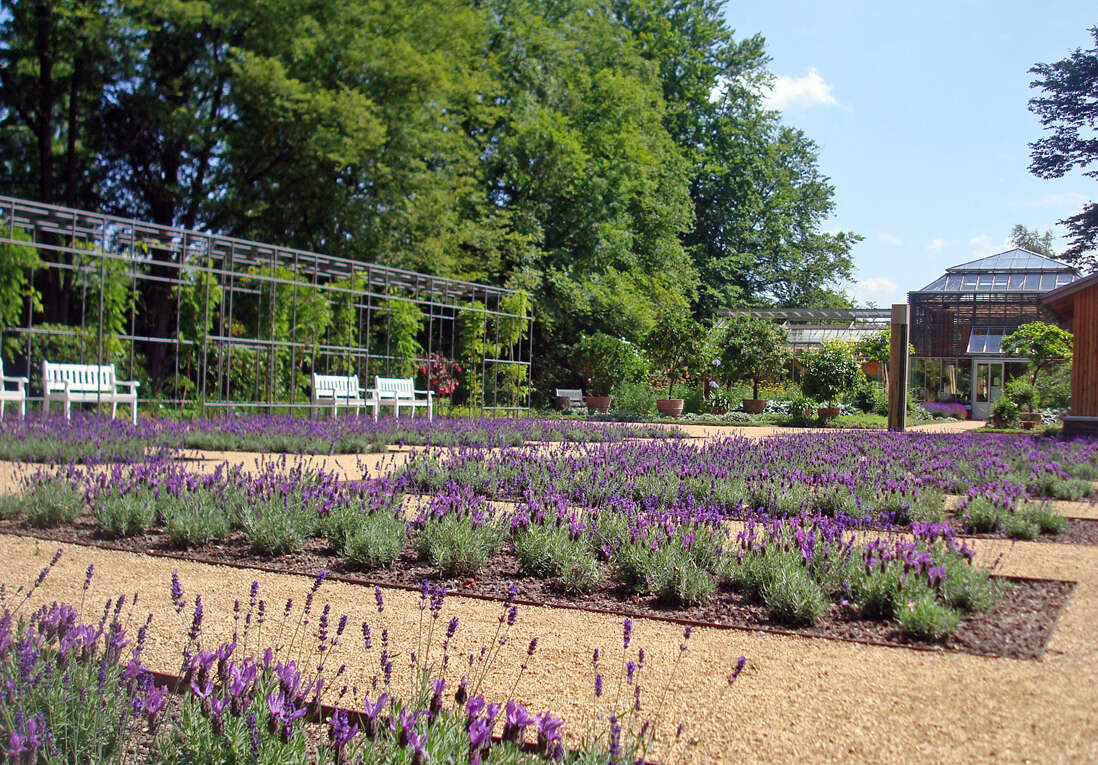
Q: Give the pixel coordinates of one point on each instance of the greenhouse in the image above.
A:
(959, 320)
(204, 320)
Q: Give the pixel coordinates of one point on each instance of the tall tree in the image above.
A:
(1032, 240)
(1069, 110)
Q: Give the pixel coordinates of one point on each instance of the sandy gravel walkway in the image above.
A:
(801, 699)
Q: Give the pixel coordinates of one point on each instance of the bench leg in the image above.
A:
(133, 411)
(114, 410)
(68, 409)
(2, 403)
(430, 411)
(23, 408)
(46, 407)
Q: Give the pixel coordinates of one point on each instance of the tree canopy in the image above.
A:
(614, 159)
(1068, 109)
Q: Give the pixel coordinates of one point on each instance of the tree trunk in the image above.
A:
(43, 128)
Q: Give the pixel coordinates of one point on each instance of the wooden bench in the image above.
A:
(399, 391)
(19, 395)
(574, 397)
(86, 384)
(342, 390)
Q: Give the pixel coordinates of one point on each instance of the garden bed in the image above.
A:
(1017, 626)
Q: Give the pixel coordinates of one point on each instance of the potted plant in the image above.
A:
(753, 349)
(1004, 413)
(605, 362)
(829, 372)
(674, 344)
(1024, 396)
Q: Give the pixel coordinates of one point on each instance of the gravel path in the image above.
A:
(800, 699)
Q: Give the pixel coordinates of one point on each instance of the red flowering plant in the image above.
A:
(441, 374)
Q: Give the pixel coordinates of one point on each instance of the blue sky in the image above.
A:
(920, 112)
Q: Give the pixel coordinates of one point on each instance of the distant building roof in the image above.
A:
(1014, 270)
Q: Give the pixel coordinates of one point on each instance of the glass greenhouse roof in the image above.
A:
(1015, 270)
(987, 339)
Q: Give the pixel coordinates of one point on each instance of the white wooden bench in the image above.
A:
(575, 399)
(400, 391)
(86, 384)
(19, 395)
(343, 390)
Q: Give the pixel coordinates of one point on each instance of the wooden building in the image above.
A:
(1076, 304)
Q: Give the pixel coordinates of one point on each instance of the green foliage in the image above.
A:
(1034, 240)
(634, 398)
(674, 345)
(403, 323)
(1054, 391)
(1005, 410)
(376, 540)
(1068, 111)
(754, 349)
(606, 362)
(52, 503)
(457, 545)
(925, 618)
(1043, 344)
(1021, 392)
(549, 551)
(10, 506)
(17, 263)
(126, 515)
(871, 397)
(830, 371)
(195, 518)
(471, 346)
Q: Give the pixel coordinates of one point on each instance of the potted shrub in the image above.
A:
(674, 345)
(1004, 413)
(829, 372)
(1024, 396)
(753, 349)
(605, 362)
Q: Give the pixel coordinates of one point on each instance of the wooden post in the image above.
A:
(897, 368)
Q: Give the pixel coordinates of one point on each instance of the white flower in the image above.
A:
(716, 362)
(713, 384)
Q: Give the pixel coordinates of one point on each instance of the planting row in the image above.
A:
(267, 695)
(859, 480)
(681, 555)
(99, 439)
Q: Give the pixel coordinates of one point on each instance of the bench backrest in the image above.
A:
(82, 378)
(400, 387)
(335, 386)
(575, 397)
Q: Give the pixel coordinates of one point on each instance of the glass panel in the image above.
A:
(982, 375)
(1016, 281)
(1033, 281)
(969, 282)
(964, 381)
(953, 283)
(984, 283)
(999, 282)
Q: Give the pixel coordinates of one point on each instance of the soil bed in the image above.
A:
(1018, 627)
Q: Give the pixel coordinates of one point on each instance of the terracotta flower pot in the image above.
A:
(1030, 421)
(562, 403)
(670, 407)
(827, 412)
(597, 403)
(754, 405)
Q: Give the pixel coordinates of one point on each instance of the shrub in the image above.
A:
(376, 540)
(10, 505)
(634, 398)
(964, 586)
(582, 575)
(927, 619)
(543, 549)
(872, 398)
(126, 515)
(830, 371)
(195, 518)
(457, 545)
(687, 585)
(1048, 521)
(792, 596)
(277, 524)
(754, 349)
(1021, 392)
(801, 407)
(605, 362)
(52, 503)
(1005, 411)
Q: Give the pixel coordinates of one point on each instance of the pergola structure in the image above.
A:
(217, 321)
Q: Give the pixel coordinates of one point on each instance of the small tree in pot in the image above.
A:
(605, 362)
(753, 349)
(829, 372)
(674, 345)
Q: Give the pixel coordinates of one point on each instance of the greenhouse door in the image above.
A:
(987, 387)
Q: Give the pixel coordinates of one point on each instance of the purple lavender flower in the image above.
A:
(516, 720)
(626, 632)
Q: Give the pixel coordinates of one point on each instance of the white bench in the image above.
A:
(343, 390)
(399, 391)
(86, 384)
(575, 399)
(19, 395)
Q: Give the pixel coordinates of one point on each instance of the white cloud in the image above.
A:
(810, 90)
(936, 245)
(892, 239)
(877, 284)
(983, 245)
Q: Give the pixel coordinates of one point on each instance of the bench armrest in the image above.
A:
(20, 381)
(428, 393)
(133, 385)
